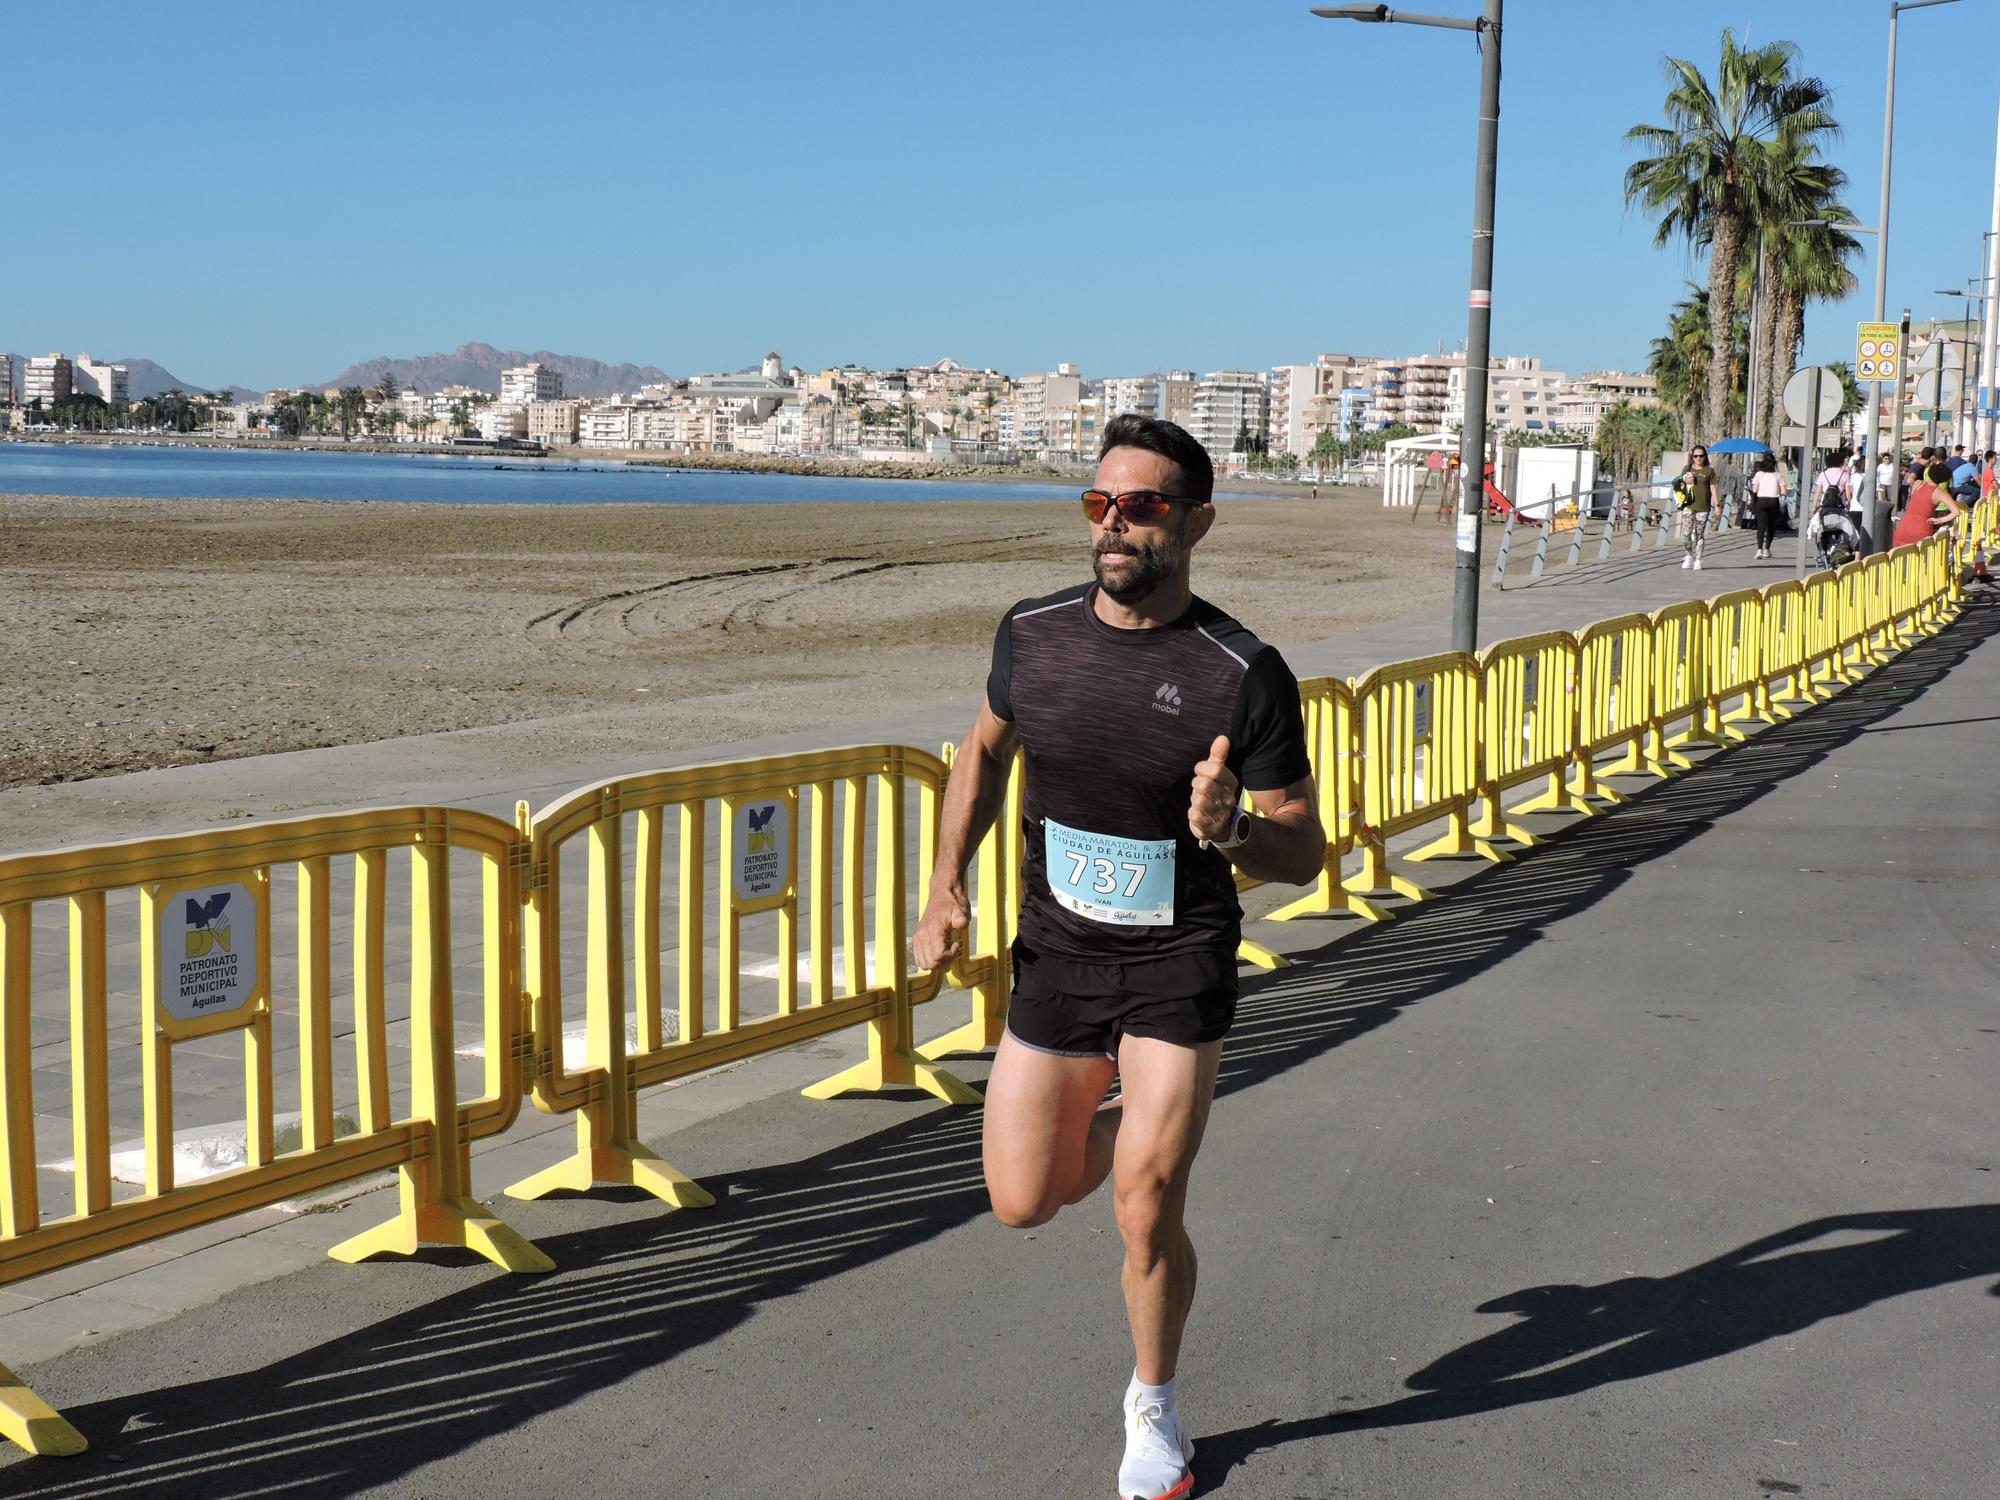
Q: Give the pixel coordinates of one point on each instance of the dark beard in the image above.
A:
(1155, 564)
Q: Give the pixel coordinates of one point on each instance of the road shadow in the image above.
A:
(1569, 1339)
(367, 1408)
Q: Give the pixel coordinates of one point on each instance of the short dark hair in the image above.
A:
(1171, 441)
(1767, 463)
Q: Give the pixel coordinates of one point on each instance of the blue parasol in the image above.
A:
(1738, 445)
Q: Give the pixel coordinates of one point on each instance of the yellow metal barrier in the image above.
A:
(759, 807)
(997, 879)
(1825, 667)
(200, 907)
(1782, 683)
(1680, 683)
(1419, 728)
(1528, 730)
(1332, 743)
(1735, 661)
(1614, 702)
(1855, 652)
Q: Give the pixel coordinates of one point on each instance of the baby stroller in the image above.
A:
(1832, 532)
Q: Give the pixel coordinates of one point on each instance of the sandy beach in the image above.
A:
(145, 633)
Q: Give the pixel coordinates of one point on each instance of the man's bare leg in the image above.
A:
(1167, 1091)
(1048, 1139)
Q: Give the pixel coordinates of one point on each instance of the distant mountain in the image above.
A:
(143, 378)
(479, 366)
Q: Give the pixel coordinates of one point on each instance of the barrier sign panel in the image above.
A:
(208, 951)
(763, 847)
(1877, 350)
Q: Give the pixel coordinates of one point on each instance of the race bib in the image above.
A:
(1126, 882)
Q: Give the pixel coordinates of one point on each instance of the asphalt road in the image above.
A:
(1659, 1162)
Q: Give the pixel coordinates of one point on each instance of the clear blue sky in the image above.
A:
(265, 194)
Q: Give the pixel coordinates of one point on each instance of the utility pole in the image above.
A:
(1479, 300)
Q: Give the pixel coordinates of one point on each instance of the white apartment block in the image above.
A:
(526, 384)
(498, 420)
(605, 427)
(1130, 393)
(48, 379)
(93, 377)
(1520, 395)
(1226, 403)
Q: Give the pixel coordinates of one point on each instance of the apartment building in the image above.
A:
(1293, 391)
(1520, 395)
(1582, 403)
(499, 420)
(524, 385)
(93, 377)
(47, 379)
(1413, 391)
(1035, 394)
(1130, 393)
(606, 426)
(553, 423)
(10, 389)
(1227, 403)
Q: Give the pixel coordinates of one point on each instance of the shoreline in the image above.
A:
(713, 463)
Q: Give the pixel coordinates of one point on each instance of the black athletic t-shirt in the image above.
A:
(1113, 723)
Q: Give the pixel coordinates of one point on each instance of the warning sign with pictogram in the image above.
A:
(1877, 351)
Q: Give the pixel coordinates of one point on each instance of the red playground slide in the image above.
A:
(1498, 504)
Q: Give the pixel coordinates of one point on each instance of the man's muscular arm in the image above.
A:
(972, 799)
(1287, 843)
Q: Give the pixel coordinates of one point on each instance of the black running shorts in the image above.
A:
(1074, 1009)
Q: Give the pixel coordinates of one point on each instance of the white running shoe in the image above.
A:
(1688, 560)
(1697, 565)
(1158, 1456)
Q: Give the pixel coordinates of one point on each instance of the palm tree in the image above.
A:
(1811, 265)
(1679, 361)
(1708, 162)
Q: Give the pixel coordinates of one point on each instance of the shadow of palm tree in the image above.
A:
(366, 1408)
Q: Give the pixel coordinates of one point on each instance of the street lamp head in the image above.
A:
(1352, 12)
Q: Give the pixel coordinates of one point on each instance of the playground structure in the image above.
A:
(1416, 469)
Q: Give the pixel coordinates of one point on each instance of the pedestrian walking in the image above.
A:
(1698, 484)
(1767, 501)
(1146, 714)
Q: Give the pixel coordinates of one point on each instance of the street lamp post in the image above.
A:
(1871, 501)
(1479, 301)
(1965, 428)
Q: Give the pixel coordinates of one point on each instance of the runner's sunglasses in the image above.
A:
(1138, 507)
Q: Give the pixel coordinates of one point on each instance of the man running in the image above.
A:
(1144, 713)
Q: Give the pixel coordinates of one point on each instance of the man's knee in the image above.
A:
(1148, 1214)
(1019, 1210)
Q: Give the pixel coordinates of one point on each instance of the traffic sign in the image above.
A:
(1939, 354)
(1876, 346)
(1799, 391)
(1937, 388)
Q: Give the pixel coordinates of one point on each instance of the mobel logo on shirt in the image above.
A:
(1167, 698)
